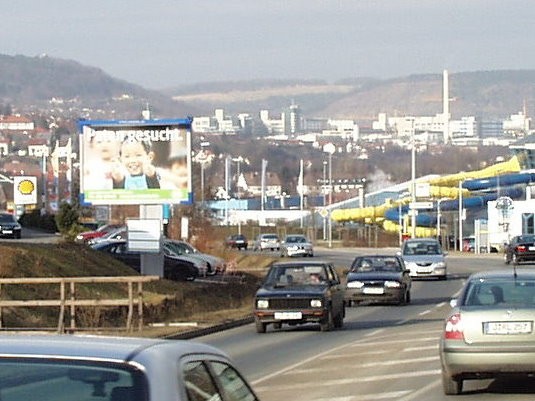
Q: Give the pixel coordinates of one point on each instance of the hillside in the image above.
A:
(165, 301)
(28, 82)
(45, 82)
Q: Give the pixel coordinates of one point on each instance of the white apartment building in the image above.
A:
(517, 125)
(274, 126)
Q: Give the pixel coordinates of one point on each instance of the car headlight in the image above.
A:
(293, 247)
(262, 303)
(440, 265)
(316, 303)
(79, 236)
(392, 284)
(355, 284)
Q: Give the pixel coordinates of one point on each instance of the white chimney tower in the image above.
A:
(446, 106)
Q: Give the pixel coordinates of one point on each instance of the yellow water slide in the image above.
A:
(446, 186)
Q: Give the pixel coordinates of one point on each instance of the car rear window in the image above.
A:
(507, 293)
(58, 380)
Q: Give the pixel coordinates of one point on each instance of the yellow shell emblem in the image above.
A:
(26, 187)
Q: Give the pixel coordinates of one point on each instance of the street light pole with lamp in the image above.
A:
(330, 149)
(413, 184)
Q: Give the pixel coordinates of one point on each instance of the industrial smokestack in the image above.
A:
(446, 106)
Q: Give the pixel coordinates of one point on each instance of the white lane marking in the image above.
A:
(425, 312)
(352, 380)
(364, 397)
(382, 344)
(429, 347)
(374, 333)
(361, 353)
(372, 364)
(440, 305)
(417, 395)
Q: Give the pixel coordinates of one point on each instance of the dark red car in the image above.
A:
(521, 248)
(99, 232)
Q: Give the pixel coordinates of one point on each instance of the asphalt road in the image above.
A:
(382, 353)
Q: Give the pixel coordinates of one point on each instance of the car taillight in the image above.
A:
(521, 248)
(454, 328)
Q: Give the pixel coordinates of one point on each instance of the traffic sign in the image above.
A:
(421, 205)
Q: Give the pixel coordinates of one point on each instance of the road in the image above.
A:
(382, 353)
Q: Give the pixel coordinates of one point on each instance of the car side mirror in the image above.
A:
(453, 302)
(398, 253)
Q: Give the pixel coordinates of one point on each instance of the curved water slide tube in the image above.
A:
(500, 175)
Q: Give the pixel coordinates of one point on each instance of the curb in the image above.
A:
(209, 330)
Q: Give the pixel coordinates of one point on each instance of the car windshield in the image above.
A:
(295, 240)
(29, 378)
(506, 293)
(282, 276)
(376, 264)
(422, 248)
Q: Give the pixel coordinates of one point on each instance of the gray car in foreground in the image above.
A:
(91, 368)
(489, 332)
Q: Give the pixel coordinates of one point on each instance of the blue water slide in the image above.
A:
(505, 180)
(425, 220)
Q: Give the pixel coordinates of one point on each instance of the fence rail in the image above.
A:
(68, 301)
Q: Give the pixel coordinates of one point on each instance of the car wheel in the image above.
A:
(277, 325)
(451, 386)
(260, 326)
(506, 259)
(327, 323)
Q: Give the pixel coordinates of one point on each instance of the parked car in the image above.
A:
(521, 248)
(174, 267)
(9, 226)
(202, 265)
(300, 292)
(120, 232)
(296, 245)
(59, 367)
(489, 331)
(215, 263)
(379, 278)
(237, 241)
(85, 236)
(266, 242)
(424, 258)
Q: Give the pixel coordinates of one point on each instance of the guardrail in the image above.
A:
(68, 300)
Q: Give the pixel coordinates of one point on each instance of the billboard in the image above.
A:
(135, 162)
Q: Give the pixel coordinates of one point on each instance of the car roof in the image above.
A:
(100, 347)
(302, 263)
(504, 274)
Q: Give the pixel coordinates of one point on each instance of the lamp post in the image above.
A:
(413, 185)
(324, 190)
(330, 199)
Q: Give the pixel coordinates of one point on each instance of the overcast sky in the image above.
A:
(167, 43)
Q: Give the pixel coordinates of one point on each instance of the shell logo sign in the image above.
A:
(25, 190)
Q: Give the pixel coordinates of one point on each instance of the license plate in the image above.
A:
(508, 327)
(424, 271)
(7, 231)
(374, 291)
(288, 315)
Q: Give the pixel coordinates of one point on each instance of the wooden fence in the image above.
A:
(68, 300)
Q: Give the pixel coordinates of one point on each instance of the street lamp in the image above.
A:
(413, 185)
(324, 189)
(330, 149)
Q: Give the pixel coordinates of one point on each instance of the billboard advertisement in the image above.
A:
(135, 162)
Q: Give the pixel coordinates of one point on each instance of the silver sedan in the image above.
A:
(489, 332)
